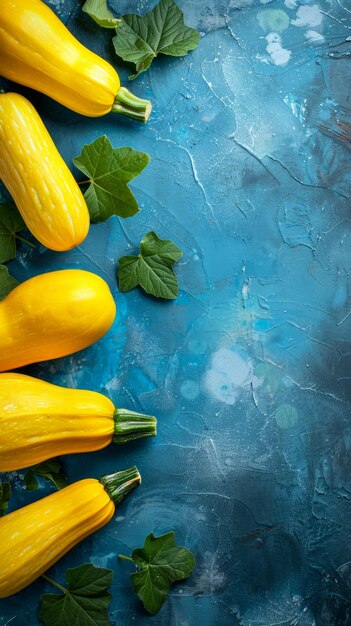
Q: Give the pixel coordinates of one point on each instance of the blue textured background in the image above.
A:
(248, 371)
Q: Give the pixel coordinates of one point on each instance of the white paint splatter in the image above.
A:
(240, 4)
(278, 54)
(102, 560)
(245, 291)
(211, 578)
(229, 374)
(296, 106)
(290, 4)
(308, 16)
(313, 37)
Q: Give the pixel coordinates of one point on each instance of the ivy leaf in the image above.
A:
(7, 282)
(109, 171)
(84, 601)
(100, 13)
(161, 563)
(49, 470)
(5, 495)
(11, 223)
(140, 39)
(152, 268)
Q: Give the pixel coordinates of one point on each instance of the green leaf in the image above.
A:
(109, 170)
(84, 602)
(140, 39)
(5, 495)
(161, 563)
(100, 13)
(49, 470)
(7, 282)
(11, 223)
(152, 268)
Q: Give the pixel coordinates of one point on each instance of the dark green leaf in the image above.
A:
(50, 470)
(152, 268)
(109, 170)
(140, 39)
(84, 601)
(161, 563)
(5, 495)
(11, 223)
(7, 282)
(30, 481)
(100, 13)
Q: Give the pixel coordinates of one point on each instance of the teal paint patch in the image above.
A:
(286, 416)
(296, 224)
(273, 20)
(189, 389)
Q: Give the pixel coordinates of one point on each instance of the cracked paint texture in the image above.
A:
(248, 371)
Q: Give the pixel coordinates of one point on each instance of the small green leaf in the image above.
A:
(100, 13)
(7, 282)
(161, 563)
(5, 495)
(30, 481)
(109, 171)
(11, 223)
(84, 601)
(152, 268)
(140, 39)
(49, 470)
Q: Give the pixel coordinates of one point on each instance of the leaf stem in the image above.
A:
(29, 243)
(125, 558)
(84, 182)
(53, 582)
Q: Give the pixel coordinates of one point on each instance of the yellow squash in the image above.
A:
(52, 315)
(38, 51)
(35, 174)
(39, 420)
(35, 537)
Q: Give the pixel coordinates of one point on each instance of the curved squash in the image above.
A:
(37, 50)
(52, 315)
(42, 186)
(39, 420)
(35, 537)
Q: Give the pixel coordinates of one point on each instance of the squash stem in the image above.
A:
(126, 103)
(119, 484)
(130, 425)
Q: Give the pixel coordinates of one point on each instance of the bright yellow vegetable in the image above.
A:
(35, 537)
(42, 186)
(38, 51)
(52, 315)
(39, 420)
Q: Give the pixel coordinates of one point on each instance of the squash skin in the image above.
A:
(34, 537)
(52, 315)
(37, 50)
(39, 420)
(42, 186)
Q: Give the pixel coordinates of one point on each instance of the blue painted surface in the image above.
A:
(248, 371)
